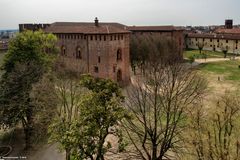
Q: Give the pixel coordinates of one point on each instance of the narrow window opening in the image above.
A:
(96, 69)
(78, 54)
(99, 59)
(119, 54)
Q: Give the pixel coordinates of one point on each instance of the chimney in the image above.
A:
(96, 22)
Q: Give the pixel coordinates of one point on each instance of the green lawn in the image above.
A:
(229, 69)
(197, 55)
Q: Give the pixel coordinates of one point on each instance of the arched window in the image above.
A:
(119, 54)
(63, 51)
(78, 53)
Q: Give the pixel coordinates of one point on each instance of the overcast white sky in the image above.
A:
(129, 12)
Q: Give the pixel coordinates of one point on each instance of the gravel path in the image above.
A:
(214, 60)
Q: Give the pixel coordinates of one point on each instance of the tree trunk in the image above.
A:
(28, 130)
(154, 152)
(99, 153)
(27, 138)
(68, 154)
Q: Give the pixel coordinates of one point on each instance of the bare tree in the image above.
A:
(158, 102)
(200, 46)
(215, 135)
(224, 50)
(146, 49)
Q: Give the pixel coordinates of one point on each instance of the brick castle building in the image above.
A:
(101, 49)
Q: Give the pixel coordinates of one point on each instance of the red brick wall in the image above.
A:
(106, 49)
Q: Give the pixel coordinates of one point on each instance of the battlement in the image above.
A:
(32, 27)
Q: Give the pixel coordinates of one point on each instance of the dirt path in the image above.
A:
(214, 60)
(47, 152)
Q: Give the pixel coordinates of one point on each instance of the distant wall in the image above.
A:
(32, 27)
(211, 44)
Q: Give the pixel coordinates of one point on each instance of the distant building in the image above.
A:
(102, 49)
(32, 27)
(4, 44)
(214, 42)
(223, 38)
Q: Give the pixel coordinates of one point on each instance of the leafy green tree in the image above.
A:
(29, 57)
(44, 98)
(86, 116)
(101, 111)
(61, 129)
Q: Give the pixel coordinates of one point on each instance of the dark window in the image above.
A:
(91, 37)
(100, 37)
(63, 51)
(210, 40)
(99, 59)
(115, 37)
(196, 39)
(118, 37)
(236, 47)
(111, 38)
(119, 54)
(236, 41)
(218, 40)
(203, 39)
(78, 54)
(96, 69)
(104, 38)
(226, 41)
(114, 69)
(85, 37)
